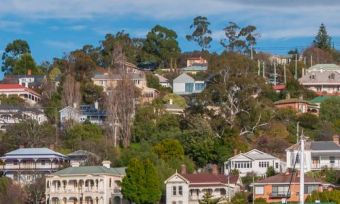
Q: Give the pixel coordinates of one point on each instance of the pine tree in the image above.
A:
(141, 184)
(322, 39)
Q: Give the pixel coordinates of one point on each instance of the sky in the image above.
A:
(55, 27)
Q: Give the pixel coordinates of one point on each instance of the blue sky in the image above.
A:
(54, 27)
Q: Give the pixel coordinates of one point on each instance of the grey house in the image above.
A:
(186, 85)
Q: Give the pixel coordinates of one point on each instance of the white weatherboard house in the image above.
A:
(85, 184)
(24, 165)
(253, 161)
(186, 85)
(183, 188)
(318, 155)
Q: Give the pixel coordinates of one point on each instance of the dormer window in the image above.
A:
(331, 76)
(312, 76)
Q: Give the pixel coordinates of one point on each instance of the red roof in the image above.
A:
(279, 87)
(286, 177)
(206, 178)
(11, 86)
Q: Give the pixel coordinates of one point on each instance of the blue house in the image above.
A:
(186, 85)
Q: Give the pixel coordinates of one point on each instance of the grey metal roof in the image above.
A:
(321, 77)
(324, 67)
(324, 145)
(134, 76)
(22, 153)
(17, 108)
(258, 155)
(184, 78)
(85, 170)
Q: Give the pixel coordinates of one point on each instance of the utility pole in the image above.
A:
(259, 67)
(274, 73)
(251, 52)
(295, 75)
(302, 170)
(311, 60)
(284, 74)
(229, 188)
(297, 132)
(253, 190)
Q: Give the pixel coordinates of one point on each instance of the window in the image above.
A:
(310, 188)
(15, 163)
(332, 160)
(180, 202)
(174, 190)
(199, 86)
(276, 165)
(280, 189)
(173, 202)
(180, 190)
(189, 87)
(259, 190)
(43, 162)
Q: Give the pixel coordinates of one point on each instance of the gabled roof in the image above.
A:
(321, 77)
(184, 78)
(255, 154)
(85, 170)
(286, 178)
(162, 79)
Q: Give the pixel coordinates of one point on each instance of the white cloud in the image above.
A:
(77, 27)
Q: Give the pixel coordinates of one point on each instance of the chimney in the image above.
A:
(336, 139)
(74, 105)
(106, 164)
(75, 164)
(214, 169)
(170, 101)
(235, 152)
(183, 169)
(52, 146)
(96, 105)
(29, 72)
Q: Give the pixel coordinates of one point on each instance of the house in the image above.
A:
(279, 88)
(109, 81)
(83, 157)
(324, 79)
(315, 103)
(297, 104)
(30, 96)
(28, 81)
(285, 187)
(85, 184)
(184, 188)
(91, 113)
(318, 155)
(186, 85)
(196, 61)
(10, 115)
(164, 82)
(280, 59)
(24, 165)
(253, 161)
(194, 69)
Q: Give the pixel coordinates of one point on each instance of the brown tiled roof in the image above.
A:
(206, 178)
(285, 178)
(291, 100)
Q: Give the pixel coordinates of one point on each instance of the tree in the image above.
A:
(12, 53)
(162, 43)
(152, 81)
(71, 91)
(36, 191)
(141, 184)
(11, 192)
(25, 63)
(208, 199)
(169, 149)
(239, 198)
(270, 171)
(330, 109)
(84, 136)
(322, 39)
(91, 92)
(201, 34)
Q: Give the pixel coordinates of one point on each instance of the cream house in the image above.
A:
(85, 184)
(184, 188)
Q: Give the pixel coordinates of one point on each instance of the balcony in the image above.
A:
(318, 166)
(279, 195)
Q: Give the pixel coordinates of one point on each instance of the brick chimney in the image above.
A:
(106, 164)
(336, 139)
(235, 152)
(52, 146)
(183, 169)
(214, 169)
(29, 72)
